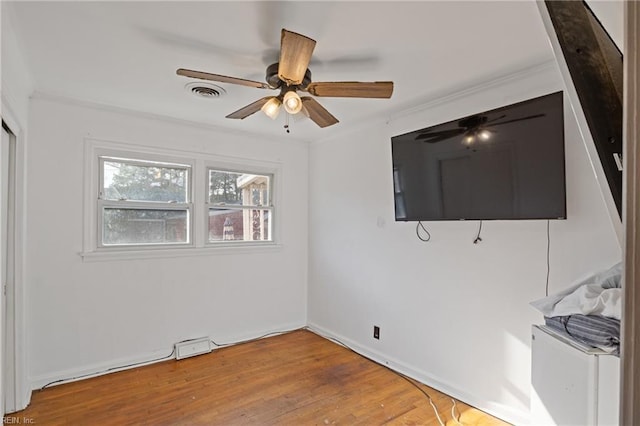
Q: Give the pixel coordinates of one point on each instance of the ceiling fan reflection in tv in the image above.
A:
(502, 164)
(473, 129)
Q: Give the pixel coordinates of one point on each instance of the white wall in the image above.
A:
(452, 314)
(86, 316)
(611, 16)
(16, 85)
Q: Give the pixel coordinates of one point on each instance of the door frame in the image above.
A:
(7, 377)
(15, 351)
(630, 355)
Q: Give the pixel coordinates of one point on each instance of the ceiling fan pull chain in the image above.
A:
(286, 122)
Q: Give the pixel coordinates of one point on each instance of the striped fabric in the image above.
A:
(593, 330)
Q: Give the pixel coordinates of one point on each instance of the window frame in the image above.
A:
(104, 204)
(199, 162)
(208, 205)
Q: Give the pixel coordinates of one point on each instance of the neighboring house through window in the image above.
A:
(239, 206)
(157, 199)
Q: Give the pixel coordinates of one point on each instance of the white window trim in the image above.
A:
(200, 163)
(270, 207)
(143, 205)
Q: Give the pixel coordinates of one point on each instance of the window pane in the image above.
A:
(233, 188)
(137, 226)
(144, 182)
(239, 225)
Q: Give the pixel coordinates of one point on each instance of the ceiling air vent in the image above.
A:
(205, 90)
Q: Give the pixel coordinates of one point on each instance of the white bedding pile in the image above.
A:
(600, 294)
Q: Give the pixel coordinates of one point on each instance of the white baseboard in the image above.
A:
(112, 366)
(503, 412)
(500, 411)
(99, 369)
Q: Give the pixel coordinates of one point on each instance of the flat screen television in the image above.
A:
(506, 163)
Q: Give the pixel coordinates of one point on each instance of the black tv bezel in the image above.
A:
(491, 111)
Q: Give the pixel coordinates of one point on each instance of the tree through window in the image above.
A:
(144, 202)
(240, 206)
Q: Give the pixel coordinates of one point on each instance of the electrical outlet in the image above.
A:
(376, 332)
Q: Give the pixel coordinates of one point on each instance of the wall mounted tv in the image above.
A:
(507, 163)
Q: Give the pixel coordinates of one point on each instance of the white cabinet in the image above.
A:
(572, 384)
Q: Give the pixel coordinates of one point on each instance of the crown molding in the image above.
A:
(433, 102)
(63, 99)
(471, 89)
(416, 107)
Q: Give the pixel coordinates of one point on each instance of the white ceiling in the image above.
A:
(125, 54)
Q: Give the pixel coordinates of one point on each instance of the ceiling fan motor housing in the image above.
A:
(274, 81)
(472, 122)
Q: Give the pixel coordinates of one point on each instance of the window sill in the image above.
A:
(106, 255)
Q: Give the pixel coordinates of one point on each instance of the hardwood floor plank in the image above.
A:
(298, 378)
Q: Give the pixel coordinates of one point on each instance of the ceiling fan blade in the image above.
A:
(442, 135)
(252, 108)
(352, 89)
(221, 78)
(517, 119)
(438, 139)
(495, 119)
(317, 112)
(295, 54)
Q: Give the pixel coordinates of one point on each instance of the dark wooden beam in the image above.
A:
(595, 65)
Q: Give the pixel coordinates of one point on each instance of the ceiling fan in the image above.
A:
(290, 75)
(473, 128)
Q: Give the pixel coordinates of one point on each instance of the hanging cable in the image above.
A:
(478, 239)
(546, 290)
(399, 374)
(112, 369)
(433, 405)
(420, 237)
(333, 339)
(456, 417)
(253, 339)
(170, 356)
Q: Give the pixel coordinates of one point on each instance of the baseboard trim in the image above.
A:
(500, 411)
(99, 369)
(497, 410)
(127, 363)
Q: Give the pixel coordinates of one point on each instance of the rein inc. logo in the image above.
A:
(18, 421)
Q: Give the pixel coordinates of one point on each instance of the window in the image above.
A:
(143, 203)
(239, 206)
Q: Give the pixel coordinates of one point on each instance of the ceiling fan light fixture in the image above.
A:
(272, 108)
(469, 139)
(292, 102)
(484, 135)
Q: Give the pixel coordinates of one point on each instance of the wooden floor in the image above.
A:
(297, 378)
